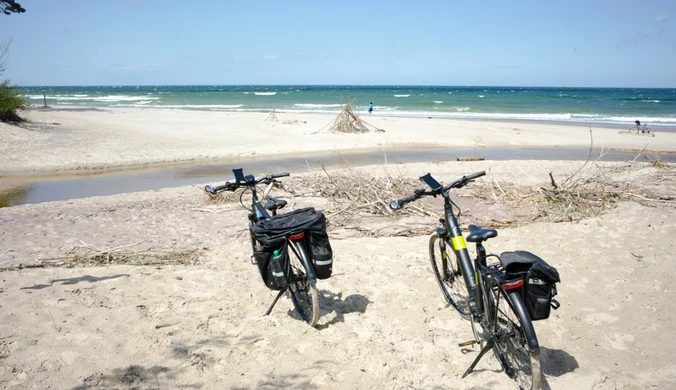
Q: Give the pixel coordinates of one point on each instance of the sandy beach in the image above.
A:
(79, 139)
(194, 319)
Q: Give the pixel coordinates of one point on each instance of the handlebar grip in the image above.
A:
(401, 202)
(220, 188)
(475, 175)
(227, 186)
(281, 174)
(407, 199)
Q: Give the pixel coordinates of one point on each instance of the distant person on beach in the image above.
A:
(370, 108)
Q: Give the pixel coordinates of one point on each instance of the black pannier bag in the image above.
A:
(540, 281)
(271, 234)
(274, 266)
(322, 254)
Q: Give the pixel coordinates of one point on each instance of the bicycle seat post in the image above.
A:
(481, 253)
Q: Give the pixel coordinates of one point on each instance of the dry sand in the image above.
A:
(383, 320)
(77, 139)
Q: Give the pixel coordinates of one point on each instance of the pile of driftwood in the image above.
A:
(348, 122)
(353, 194)
(88, 255)
(272, 117)
(586, 193)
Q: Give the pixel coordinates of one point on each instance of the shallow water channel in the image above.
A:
(26, 190)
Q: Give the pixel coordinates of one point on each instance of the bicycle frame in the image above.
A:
(259, 213)
(451, 232)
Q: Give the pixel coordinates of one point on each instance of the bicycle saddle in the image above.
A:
(273, 204)
(478, 234)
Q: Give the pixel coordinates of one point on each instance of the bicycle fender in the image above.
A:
(528, 329)
(303, 255)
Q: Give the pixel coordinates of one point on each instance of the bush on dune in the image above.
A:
(10, 103)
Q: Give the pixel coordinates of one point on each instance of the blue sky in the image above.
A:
(589, 43)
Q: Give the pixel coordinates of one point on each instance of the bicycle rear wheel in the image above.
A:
(304, 296)
(507, 326)
(448, 275)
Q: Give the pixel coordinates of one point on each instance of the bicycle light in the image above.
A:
(394, 205)
(208, 189)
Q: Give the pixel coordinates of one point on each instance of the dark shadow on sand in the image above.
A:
(68, 281)
(556, 362)
(134, 377)
(334, 303)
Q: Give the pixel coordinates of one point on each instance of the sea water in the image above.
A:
(618, 107)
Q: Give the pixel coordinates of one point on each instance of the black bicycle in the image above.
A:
(279, 243)
(488, 290)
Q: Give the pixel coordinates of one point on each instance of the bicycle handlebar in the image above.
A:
(228, 186)
(420, 192)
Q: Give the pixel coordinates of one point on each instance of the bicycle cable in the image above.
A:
(241, 195)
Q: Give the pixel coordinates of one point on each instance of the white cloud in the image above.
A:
(660, 20)
(265, 57)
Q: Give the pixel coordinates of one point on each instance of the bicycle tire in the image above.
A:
(304, 296)
(510, 347)
(449, 275)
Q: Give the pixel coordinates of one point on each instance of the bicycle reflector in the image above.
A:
(512, 285)
(296, 237)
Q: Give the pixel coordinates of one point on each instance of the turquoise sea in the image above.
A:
(594, 106)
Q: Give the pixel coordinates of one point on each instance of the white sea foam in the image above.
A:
(309, 105)
(402, 95)
(108, 98)
(265, 93)
(481, 96)
(181, 106)
(650, 101)
(438, 101)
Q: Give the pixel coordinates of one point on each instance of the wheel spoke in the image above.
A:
(511, 347)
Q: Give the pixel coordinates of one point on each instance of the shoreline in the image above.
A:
(112, 139)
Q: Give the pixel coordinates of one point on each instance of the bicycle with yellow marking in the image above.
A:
(481, 290)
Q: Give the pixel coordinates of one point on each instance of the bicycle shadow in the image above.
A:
(76, 280)
(334, 303)
(553, 363)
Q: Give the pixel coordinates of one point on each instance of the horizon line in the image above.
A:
(333, 85)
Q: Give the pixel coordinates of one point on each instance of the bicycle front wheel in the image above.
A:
(304, 296)
(509, 330)
(449, 276)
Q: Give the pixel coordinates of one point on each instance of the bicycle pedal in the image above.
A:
(468, 343)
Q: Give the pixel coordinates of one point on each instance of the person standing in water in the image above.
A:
(370, 108)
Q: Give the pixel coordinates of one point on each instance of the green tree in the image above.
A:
(10, 99)
(8, 7)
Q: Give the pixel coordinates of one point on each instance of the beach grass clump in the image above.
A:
(10, 102)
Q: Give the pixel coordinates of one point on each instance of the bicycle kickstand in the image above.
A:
(486, 348)
(282, 291)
